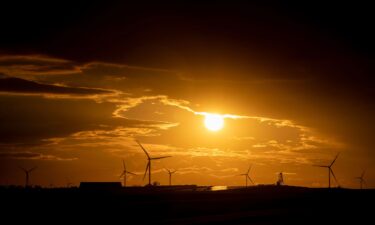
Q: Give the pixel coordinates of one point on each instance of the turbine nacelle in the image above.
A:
(171, 172)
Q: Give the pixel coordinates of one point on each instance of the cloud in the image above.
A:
(132, 102)
(118, 141)
(28, 65)
(95, 66)
(279, 140)
(31, 119)
(121, 141)
(97, 110)
(122, 77)
(22, 86)
(32, 156)
(205, 170)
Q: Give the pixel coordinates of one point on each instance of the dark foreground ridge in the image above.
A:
(188, 205)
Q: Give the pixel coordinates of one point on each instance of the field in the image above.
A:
(254, 205)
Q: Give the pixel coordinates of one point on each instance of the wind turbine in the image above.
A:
(361, 180)
(330, 171)
(170, 175)
(247, 177)
(27, 173)
(125, 172)
(148, 167)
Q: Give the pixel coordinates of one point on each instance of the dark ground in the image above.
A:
(255, 205)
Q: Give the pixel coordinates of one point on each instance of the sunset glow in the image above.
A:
(215, 86)
(187, 112)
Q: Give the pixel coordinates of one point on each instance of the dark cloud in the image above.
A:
(18, 85)
(24, 65)
(29, 120)
(31, 155)
(125, 78)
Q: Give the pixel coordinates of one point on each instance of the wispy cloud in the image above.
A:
(21, 86)
(32, 156)
(118, 140)
(95, 65)
(30, 65)
(206, 170)
(132, 102)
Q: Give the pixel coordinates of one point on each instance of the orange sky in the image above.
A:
(293, 83)
(76, 136)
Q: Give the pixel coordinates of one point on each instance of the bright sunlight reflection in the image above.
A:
(214, 122)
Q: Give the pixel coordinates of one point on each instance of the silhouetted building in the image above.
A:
(100, 185)
(280, 180)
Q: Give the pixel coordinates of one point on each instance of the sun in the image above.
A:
(214, 122)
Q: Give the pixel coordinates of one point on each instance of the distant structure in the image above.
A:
(361, 179)
(148, 167)
(330, 171)
(68, 183)
(280, 179)
(27, 174)
(170, 175)
(247, 177)
(100, 185)
(125, 172)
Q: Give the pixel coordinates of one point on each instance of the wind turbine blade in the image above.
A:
(333, 175)
(123, 163)
(163, 157)
(131, 173)
(147, 167)
(167, 170)
(139, 143)
(250, 179)
(248, 171)
(320, 166)
(334, 159)
(122, 174)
